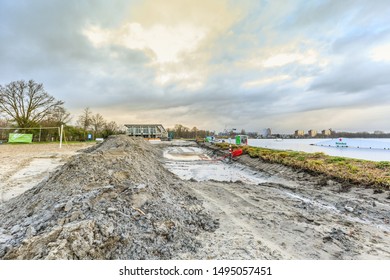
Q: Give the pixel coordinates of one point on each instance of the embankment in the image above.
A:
(114, 201)
(345, 170)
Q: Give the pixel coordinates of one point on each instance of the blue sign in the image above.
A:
(89, 136)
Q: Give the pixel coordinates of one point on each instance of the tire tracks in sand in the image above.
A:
(293, 215)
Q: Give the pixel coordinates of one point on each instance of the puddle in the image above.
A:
(193, 163)
(186, 154)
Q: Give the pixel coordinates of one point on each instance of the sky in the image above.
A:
(212, 64)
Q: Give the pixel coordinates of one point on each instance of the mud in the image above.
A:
(288, 214)
(128, 199)
(115, 201)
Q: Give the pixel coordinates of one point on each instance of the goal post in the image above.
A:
(37, 134)
(61, 132)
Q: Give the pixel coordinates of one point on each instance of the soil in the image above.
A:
(129, 199)
(113, 201)
(270, 211)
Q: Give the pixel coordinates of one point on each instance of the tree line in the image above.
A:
(180, 131)
(27, 105)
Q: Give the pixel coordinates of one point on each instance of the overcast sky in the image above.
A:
(213, 64)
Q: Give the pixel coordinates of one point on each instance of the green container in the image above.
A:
(241, 140)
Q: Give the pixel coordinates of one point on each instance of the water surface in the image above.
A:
(308, 145)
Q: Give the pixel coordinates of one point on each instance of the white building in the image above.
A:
(146, 130)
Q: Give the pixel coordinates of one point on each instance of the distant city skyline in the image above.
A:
(247, 64)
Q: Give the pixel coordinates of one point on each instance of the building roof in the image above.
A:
(138, 124)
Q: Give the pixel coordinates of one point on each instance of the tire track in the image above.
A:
(293, 215)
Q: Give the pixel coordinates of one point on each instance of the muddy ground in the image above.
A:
(270, 211)
(113, 201)
(128, 199)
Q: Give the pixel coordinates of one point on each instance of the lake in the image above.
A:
(308, 145)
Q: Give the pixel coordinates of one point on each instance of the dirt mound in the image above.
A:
(114, 201)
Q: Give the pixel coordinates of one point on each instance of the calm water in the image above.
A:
(304, 145)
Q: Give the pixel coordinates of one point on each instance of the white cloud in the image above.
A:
(281, 59)
(303, 82)
(176, 37)
(381, 53)
(165, 45)
(189, 80)
(166, 42)
(266, 81)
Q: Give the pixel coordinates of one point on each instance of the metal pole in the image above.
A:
(40, 132)
(61, 131)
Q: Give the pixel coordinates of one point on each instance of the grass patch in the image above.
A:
(336, 159)
(385, 165)
(360, 172)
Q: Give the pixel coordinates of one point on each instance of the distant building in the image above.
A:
(146, 130)
(312, 133)
(326, 132)
(266, 132)
(299, 133)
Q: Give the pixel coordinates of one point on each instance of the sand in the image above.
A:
(270, 211)
(25, 165)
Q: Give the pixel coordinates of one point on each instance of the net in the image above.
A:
(38, 134)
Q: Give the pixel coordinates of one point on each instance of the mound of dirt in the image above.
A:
(114, 201)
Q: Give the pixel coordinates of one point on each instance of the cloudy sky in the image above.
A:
(213, 64)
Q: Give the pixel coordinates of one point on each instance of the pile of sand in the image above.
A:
(114, 201)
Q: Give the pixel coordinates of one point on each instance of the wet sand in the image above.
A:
(270, 211)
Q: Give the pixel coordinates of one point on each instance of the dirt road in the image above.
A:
(273, 212)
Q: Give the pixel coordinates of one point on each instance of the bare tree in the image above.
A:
(85, 120)
(98, 123)
(194, 131)
(111, 128)
(4, 122)
(3, 133)
(58, 116)
(26, 103)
